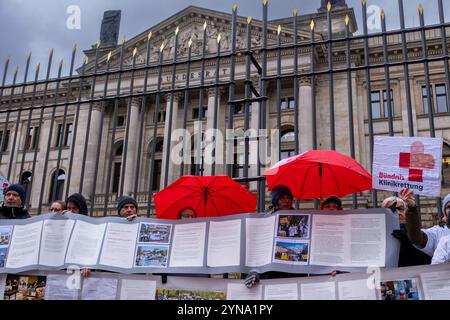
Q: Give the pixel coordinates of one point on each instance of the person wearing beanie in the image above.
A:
(13, 204)
(332, 204)
(426, 240)
(442, 252)
(127, 207)
(76, 203)
(281, 199)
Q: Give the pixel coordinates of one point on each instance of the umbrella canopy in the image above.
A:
(208, 196)
(319, 174)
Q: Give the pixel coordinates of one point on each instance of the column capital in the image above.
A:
(305, 81)
(136, 101)
(177, 96)
(97, 106)
(212, 91)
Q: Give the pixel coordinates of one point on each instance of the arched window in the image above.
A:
(446, 165)
(25, 181)
(57, 185)
(287, 147)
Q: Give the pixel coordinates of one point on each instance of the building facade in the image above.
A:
(107, 133)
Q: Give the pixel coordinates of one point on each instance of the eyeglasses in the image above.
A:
(400, 208)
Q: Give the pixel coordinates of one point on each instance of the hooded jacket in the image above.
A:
(80, 202)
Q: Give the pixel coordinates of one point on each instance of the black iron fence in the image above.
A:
(60, 135)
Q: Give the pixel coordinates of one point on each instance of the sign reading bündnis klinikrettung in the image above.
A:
(407, 162)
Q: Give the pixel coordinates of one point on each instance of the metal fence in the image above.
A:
(91, 92)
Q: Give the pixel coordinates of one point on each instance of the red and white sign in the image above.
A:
(403, 162)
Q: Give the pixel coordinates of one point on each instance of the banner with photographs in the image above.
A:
(289, 241)
(429, 282)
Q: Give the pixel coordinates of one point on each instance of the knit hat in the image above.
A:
(332, 199)
(444, 203)
(126, 200)
(80, 202)
(278, 192)
(17, 188)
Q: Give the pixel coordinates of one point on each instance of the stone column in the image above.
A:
(218, 135)
(170, 114)
(133, 132)
(305, 115)
(92, 150)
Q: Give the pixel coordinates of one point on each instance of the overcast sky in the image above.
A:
(38, 26)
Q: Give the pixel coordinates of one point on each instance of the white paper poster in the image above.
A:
(59, 287)
(285, 291)
(356, 290)
(259, 241)
(224, 243)
(118, 246)
(85, 243)
(318, 291)
(188, 246)
(131, 289)
(55, 238)
(238, 291)
(24, 249)
(407, 162)
(99, 289)
(436, 285)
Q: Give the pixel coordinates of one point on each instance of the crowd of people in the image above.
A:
(417, 246)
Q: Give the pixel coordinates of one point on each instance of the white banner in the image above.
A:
(413, 163)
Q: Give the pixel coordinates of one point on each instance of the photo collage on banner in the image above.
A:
(292, 239)
(5, 240)
(152, 249)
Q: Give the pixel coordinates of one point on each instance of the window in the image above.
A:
(120, 122)
(446, 165)
(286, 154)
(156, 183)
(31, 139)
(239, 158)
(380, 106)
(57, 186)
(4, 147)
(441, 98)
(161, 116)
(25, 181)
(288, 136)
(196, 112)
(239, 109)
(64, 136)
(116, 177)
(287, 146)
(119, 148)
(69, 134)
(438, 98)
(287, 103)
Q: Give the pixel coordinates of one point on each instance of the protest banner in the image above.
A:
(407, 162)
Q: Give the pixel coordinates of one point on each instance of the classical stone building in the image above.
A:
(112, 126)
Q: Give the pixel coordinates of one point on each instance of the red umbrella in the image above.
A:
(318, 174)
(208, 196)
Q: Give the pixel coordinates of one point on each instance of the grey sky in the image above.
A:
(38, 26)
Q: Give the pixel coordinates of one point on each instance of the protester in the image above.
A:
(127, 207)
(76, 203)
(187, 213)
(58, 206)
(13, 204)
(409, 255)
(442, 252)
(424, 239)
(332, 204)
